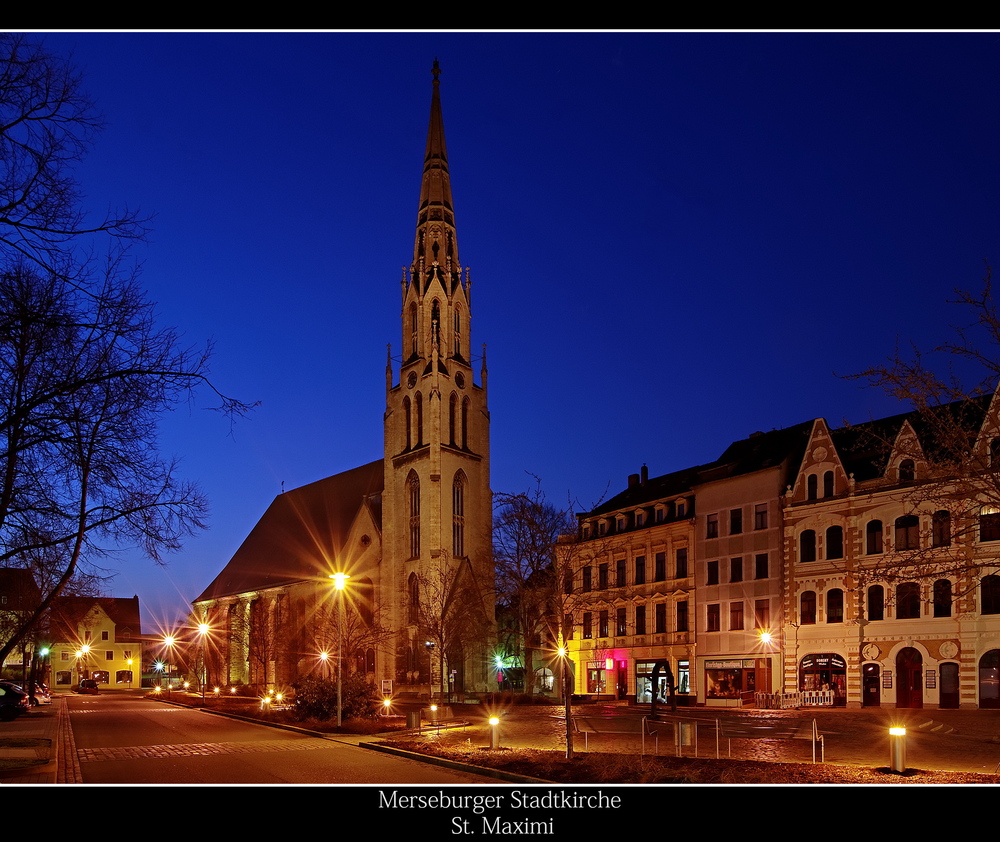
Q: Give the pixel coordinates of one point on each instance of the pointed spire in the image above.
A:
(436, 241)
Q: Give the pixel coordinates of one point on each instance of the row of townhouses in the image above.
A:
(855, 565)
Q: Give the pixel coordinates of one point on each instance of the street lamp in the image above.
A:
(203, 629)
(339, 582)
(81, 654)
(563, 653)
(168, 643)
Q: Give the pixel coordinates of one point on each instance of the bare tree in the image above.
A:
(47, 124)
(942, 460)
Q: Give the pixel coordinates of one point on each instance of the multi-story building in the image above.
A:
(412, 530)
(95, 637)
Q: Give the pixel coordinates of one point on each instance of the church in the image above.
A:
(410, 532)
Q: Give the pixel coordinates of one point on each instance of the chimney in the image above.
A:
(645, 474)
(633, 480)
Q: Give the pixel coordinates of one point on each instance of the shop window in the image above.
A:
(990, 594)
(712, 620)
(942, 598)
(807, 608)
(760, 566)
(873, 537)
(907, 531)
(908, 601)
(989, 523)
(736, 570)
(835, 605)
(835, 542)
(123, 677)
(712, 573)
(807, 545)
(876, 602)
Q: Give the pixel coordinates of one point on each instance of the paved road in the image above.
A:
(122, 738)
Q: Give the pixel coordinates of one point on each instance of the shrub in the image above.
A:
(316, 698)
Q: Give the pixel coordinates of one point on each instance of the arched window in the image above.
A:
(413, 487)
(807, 608)
(408, 421)
(413, 329)
(906, 470)
(835, 605)
(907, 533)
(452, 412)
(807, 545)
(989, 523)
(363, 593)
(465, 424)
(990, 594)
(941, 529)
(436, 323)
(835, 542)
(873, 537)
(942, 598)
(828, 484)
(457, 331)
(876, 602)
(811, 483)
(458, 516)
(908, 601)
(420, 419)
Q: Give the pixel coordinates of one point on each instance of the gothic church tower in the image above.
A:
(437, 502)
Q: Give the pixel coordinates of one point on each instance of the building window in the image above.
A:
(414, 494)
(602, 624)
(587, 620)
(659, 567)
(640, 619)
(620, 623)
(105, 635)
(873, 537)
(760, 566)
(640, 570)
(990, 594)
(681, 508)
(907, 533)
(458, 516)
(620, 573)
(661, 617)
(736, 570)
(588, 579)
(712, 570)
(811, 487)
(640, 517)
(835, 542)
(735, 521)
(681, 563)
(908, 601)
(807, 545)
(682, 616)
(762, 614)
(906, 470)
(828, 484)
(712, 526)
(602, 578)
(941, 529)
(760, 516)
(109, 655)
(736, 616)
(989, 523)
(807, 608)
(876, 603)
(413, 604)
(712, 621)
(942, 598)
(835, 605)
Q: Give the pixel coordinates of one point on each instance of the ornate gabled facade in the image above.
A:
(891, 594)
(95, 637)
(412, 530)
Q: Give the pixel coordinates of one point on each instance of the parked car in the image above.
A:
(88, 685)
(13, 701)
(41, 694)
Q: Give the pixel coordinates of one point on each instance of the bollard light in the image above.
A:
(494, 732)
(897, 749)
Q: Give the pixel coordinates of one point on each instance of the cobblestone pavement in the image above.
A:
(965, 741)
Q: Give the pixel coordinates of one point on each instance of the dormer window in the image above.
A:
(640, 517)
(681, 508)
(906, 470)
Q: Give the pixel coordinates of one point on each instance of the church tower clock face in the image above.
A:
(411, 380)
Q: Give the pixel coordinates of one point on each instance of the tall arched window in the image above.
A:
(413, 487)
(811, 485)
(420, 420)
(458, 516)
(413, 329)
(807, 545)
(413, 599)
(457, 331)
(436, 323)
(990, 594)
(941, 529)
(908, 601)
(835, 542)
(408, 421)
(942, 598)
(452, 412)
(876, 602)
(465, 424)
(906, 470)
(835, 605)
(828, 484)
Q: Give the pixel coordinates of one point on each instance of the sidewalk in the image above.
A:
(44, 722)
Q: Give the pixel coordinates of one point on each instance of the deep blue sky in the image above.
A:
(676, 239)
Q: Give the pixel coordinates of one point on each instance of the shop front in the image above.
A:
(825, 671)
(728, 680)
(644, 681)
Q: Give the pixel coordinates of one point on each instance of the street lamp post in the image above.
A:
(567, 700)
(203, 629)
(339, 582)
